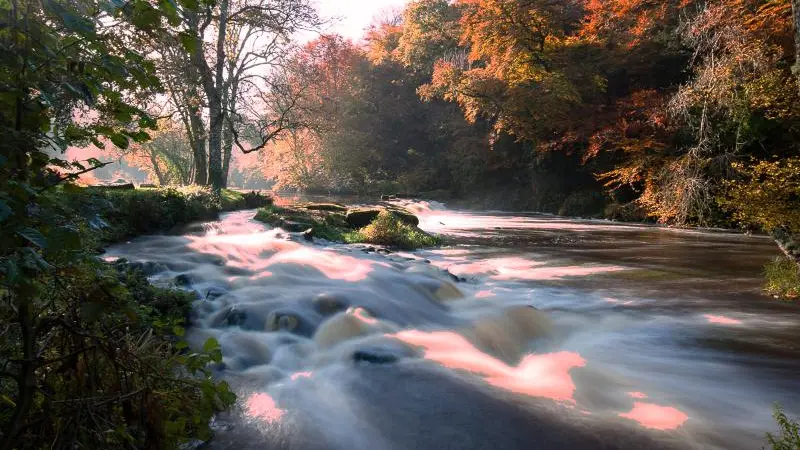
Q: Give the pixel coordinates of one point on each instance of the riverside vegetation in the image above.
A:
(388, 226)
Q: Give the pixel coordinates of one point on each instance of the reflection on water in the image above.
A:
(641, 338)
(655, 416)
(544, 376)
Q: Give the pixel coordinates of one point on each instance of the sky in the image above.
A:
(354, 15)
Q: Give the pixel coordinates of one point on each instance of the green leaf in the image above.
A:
(64, 238)
(181, 345)
(190, 43)
(191, 5)
(120, 140)
(178, 330)
(145, 16)
(5, 211)
(72, 20)
(211, 345)
(138, 136)
(34, 237)
(170, 9)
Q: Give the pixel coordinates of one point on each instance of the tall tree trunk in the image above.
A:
(216, 106)
(198, 147)
(796, 17)
(227, 140)
(156, 168)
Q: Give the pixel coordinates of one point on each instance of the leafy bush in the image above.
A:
(119, 214)
(788, 437)
(231, 200)
(388, 230)
(783, 278)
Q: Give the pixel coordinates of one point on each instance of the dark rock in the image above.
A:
(116, 186)
(327, 304)
(374, 356)
(183, 280)
(148, 185)
(255, 199)
(214, 293)
(308, 234)
(294, 227)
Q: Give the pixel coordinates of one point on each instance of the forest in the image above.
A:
(682, 113)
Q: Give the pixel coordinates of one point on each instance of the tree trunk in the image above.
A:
(796, 17)
(156, 169)
(216, 107)
(198, 147)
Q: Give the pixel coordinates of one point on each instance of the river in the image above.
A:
(523, 331)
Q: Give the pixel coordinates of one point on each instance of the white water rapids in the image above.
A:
(523, 332)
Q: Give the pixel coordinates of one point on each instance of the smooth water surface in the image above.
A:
(522, 332)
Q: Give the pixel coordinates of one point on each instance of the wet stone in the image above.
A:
(374, 356)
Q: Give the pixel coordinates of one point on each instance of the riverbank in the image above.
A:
(92, 354)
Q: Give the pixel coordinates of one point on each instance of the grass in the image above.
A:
(231, 200)
(788, 437)
(783, 278)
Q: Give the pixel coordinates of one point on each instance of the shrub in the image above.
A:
(783, 278)
(119, 214)
(91, 355)
(788, 437)
(388, 229)
(232, 200)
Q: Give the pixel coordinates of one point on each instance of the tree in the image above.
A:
(248, 36)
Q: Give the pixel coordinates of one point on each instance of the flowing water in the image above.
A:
(522, 332)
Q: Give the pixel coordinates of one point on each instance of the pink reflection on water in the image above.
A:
(617, 301)
(557, 273)
(257, 252)
(639, 395)
(332, 265)
(262, 406)
(517, 268)
(485, 294)
(545, 376)
(298, 375)
(656, 417)
(722, 320)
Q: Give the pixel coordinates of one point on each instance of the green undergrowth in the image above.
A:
(91, 354)
(115, 215)
(331, 224)
(783, 278)
(387, 229)
(788, 436)
(113, 371)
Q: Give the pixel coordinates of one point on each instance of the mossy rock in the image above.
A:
(361, 217)
(334, 207)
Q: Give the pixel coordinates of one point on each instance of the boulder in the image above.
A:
(361, 217)
(336, 207)
(294, 227)
(116, 186)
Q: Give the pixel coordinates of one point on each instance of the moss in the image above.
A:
(783, 278)
(232, 200)
(388, 229)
